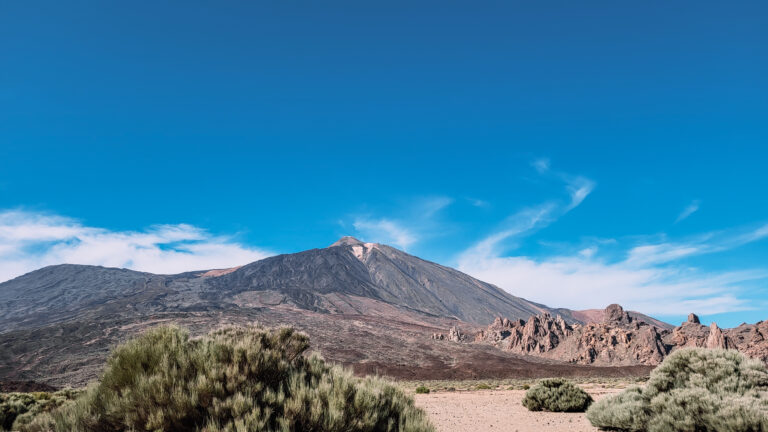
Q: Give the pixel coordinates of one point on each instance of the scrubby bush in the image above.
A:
(236, 379)
(18, 409)
(692, 390)
(483, 386)
(556, 395)
(422, 390)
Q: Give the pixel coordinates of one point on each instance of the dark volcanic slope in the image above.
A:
(62, 292)
(352, 268)
(331, 280)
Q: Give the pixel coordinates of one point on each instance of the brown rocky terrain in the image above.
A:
(619, 339)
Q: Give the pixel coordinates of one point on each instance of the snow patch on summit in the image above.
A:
(360, 250)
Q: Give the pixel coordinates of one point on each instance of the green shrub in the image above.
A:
(483, 387)
(17, 409)
(422, 390)
(556, 395)
(692, 390)
(236, 379)
(526, 386)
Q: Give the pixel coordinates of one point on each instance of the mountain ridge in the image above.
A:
(304, 279)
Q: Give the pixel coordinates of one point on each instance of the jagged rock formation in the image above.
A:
(620, 339)
(717, 340)
(454, 335)
(539, 334)
(598, 315)
(751, 339)
(693, 334)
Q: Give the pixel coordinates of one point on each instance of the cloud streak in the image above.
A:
(649, 277)
(414, 222)
(692, 208)
(385, 231)
(30, 240)
(535, 217)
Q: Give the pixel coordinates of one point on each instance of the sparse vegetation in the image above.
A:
(18, 409)
(556, 395)
(483, 386)
(516, 383)
(692, 390)
(422, 390)
(235, 379)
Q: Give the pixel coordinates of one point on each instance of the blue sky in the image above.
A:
(574, 153)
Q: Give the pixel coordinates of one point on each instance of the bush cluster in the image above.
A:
(235, 379)
(556, 395)
(18, 409)
(692, 390)
(422, 390)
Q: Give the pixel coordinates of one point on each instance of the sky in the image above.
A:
(573, 153)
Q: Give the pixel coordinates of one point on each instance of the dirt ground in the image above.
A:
(500, 411)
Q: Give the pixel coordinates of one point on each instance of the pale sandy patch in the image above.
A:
(499, 411)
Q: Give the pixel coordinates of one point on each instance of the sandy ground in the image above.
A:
(499, 411)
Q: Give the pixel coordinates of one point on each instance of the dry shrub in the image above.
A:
(692, 390)
(236, 379)
(556, 395)
(18, 409)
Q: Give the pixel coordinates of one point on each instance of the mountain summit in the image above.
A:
(348, 241)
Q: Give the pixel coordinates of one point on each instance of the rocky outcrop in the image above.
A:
(453, 335)
(751, 339)
(689, 334)
(539, 334)
(620, 339)
(693, 334)
(717, 340)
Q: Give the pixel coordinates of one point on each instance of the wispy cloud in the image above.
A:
(651, 277)
(579, 188)
(30, 240)
(644, 275)
(541, 165)
(524, 221)
(411, 223)
(717, 241)
(430, 206)
(535, 217)
(692, 208)
(478, 202)
(385, 231)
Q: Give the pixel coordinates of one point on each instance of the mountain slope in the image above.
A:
(343, 278)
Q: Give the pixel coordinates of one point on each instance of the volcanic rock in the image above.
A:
(717, 339)
(619, 339)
